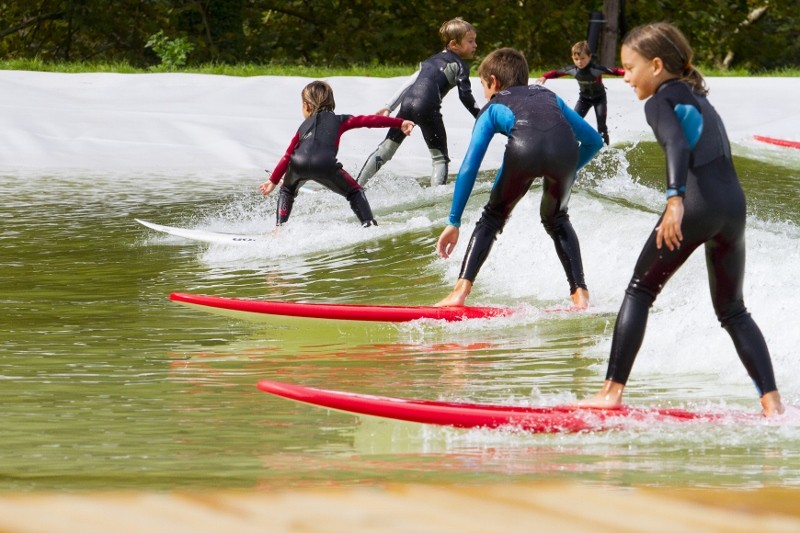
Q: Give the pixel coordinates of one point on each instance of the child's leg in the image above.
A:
(725, 260)
(343, 184)
(360, 206)
(382, 155)
(555, 219)
(582, 107)
(653, 270)
(285, 203)
(601, 113)
(509, 188)
(432, 127)
(286, 195)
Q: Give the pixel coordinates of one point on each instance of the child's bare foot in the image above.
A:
(458, 296)
(609, 397)
(580, 298)
(771, 404)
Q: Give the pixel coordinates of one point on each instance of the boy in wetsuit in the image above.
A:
(420, 100)
(705, 206)
(545, 139)
(591, 91)
(312, 153)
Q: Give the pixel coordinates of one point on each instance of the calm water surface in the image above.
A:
(106, 384)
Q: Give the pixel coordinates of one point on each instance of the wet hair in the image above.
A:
(455, 30)
(665, 41)
(507, 65)
(319, 97)
(582, 47)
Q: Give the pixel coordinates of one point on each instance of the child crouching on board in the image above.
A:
(420, 99)
(545, 139)
(705, 206)
(312, 153)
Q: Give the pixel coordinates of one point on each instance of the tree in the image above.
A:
(342, 32)
(611, 33)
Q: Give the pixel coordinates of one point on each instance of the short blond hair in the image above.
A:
(582, 47)
(455, 30)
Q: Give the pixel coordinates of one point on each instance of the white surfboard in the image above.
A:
(203, 235)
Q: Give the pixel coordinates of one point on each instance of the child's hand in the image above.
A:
(540, 81)
(669, 231)
(447, 241)
(407, 126)
(384, 111)
(267, 187)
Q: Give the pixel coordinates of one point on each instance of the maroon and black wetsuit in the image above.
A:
(312, 156)
(591, 91)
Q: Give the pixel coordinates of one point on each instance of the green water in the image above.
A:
(106, 384)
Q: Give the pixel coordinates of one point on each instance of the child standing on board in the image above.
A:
(312, 153)
(420, 100)
(591, 91)
(545, 138)
(705, 206)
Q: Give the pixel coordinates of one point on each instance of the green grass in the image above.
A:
(244, 70)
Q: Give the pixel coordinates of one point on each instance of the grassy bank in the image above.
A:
(378, 71)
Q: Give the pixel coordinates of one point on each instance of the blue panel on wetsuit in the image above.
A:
(691, 122)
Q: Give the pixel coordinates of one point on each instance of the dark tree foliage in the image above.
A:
(732, 33)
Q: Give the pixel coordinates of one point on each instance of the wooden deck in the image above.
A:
(562, 508)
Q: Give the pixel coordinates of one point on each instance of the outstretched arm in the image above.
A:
(280, 169)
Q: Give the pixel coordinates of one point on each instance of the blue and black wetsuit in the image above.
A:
(545, 138)
(420, 101)
(700, 169)
(591, 91)
(312, 156)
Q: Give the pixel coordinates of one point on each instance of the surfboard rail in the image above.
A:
(333, 311)
(777, 142)
(200, 235)
(548, 419)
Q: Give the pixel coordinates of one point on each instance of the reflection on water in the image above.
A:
(107, 384)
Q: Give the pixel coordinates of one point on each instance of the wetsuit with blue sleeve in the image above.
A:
(699, 169)
(545, 139)
(420, 101)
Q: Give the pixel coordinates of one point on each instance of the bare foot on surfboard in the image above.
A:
(458, 296)
(771, 404)
(580, 299)
(609, 397)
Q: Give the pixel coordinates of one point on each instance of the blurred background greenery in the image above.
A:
(744, 36)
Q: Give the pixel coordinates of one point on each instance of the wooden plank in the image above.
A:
(409, 508)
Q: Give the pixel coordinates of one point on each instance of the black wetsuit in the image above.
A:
(714, 216)
(545, 138)
(591, 91)
(312, 156)
(421, 101)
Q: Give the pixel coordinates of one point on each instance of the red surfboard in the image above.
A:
(778, 142)
(555, 419)
(264, 310)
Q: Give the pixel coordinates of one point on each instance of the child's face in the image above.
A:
(581, 60)
(642, 74)
(467, 47)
